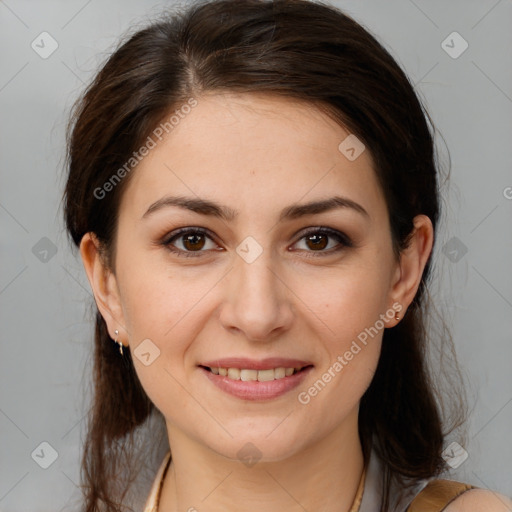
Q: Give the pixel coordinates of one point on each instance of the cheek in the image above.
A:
(347, 299)
(162, 320)
(164, 311)
(351, 310)
(351, 350)
(157, 298)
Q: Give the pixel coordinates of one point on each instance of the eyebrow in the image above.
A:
(213, 209)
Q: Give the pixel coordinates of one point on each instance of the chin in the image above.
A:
(259, 447)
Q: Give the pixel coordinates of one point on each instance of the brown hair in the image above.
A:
(298, 49)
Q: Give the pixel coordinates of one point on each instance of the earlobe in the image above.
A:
(104, 285)
(412, 262)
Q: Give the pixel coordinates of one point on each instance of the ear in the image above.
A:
(104, 286)
(412, 262)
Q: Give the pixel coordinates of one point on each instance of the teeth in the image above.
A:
(279, 373)
(246, 375)
(234, 373)
(265, 375)
(253, 375)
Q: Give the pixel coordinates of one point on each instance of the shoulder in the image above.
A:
(480, 500)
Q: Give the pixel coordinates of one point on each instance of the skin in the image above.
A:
(256, 154)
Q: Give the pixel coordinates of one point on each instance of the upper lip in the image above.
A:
(255, 364)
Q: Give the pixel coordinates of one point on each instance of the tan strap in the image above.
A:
(437, 495)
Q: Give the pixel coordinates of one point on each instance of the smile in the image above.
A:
(256, 385)
(255, 375)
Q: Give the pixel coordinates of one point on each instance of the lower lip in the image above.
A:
(255, 390)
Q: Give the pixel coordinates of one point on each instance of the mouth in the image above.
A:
(251, 374)
(263, 382)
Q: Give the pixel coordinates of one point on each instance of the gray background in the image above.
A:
(45, 299)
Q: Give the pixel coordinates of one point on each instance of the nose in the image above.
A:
(258, 303)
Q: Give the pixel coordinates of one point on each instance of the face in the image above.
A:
(266, 280)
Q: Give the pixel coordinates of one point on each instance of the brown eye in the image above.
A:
(189, 242)
(193, 242)
(323, 240)
(317, 241)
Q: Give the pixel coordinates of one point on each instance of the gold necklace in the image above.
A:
(359, 494)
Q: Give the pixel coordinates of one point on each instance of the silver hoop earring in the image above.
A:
(119, 342)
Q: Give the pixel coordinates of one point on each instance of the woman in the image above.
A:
(253, 190)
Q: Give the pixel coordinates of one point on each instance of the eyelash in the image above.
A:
(343, 240)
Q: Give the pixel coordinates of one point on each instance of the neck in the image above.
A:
(324, 476)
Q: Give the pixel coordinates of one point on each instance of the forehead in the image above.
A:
(248, 149)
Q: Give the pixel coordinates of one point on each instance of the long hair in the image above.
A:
(297, 49)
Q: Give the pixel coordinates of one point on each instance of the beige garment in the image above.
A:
(154, 494)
